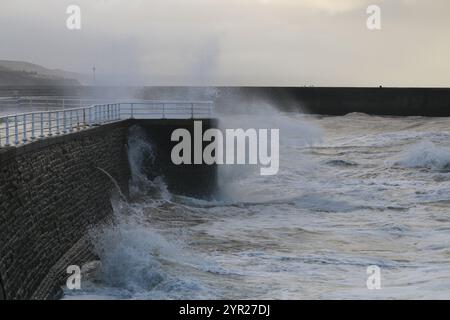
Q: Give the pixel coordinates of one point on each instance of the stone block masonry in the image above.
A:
(51, 192)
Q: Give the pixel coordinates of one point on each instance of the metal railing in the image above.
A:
(51, 102)
(27, 127)
(167, 109)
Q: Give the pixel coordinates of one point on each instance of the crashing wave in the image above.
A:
(426, 155)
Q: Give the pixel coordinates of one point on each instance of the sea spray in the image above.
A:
(132, 253)
(295, 132)
(141, 159)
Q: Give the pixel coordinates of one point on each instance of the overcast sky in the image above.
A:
(235, 42)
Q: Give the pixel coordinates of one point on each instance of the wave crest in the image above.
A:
(426, 155)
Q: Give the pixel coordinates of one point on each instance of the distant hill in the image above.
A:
(25, 73)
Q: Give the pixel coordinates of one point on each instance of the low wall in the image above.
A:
(51, 192)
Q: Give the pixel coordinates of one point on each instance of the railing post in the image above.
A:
(24, 128)
(71, 121)
(57, 122)
(65, 121)
(50, 124)
(33, 136)
(42, 125)
(78, 119)
(90, 117)
(132, 110)
(164, 110)
(16, 131)
(192, 110)
(7, 144)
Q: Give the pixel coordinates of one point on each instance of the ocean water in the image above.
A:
(352, 191)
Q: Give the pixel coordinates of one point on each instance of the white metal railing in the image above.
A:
(27, 127)
(51, 102)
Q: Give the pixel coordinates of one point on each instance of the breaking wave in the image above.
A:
(137, 260)
(426, 155)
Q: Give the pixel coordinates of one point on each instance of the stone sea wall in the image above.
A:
(51, 192)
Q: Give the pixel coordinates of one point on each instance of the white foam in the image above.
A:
(426, 155)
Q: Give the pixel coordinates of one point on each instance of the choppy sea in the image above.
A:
(352, 191)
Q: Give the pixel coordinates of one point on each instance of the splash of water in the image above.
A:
(141, 155)
(115, 183)
(295, 132)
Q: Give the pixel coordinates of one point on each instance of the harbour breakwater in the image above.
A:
(53, 191)
(317, 100)
(434, 102)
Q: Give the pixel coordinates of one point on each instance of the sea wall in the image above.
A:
(51, 192)
(433, 102)
(317, 100)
